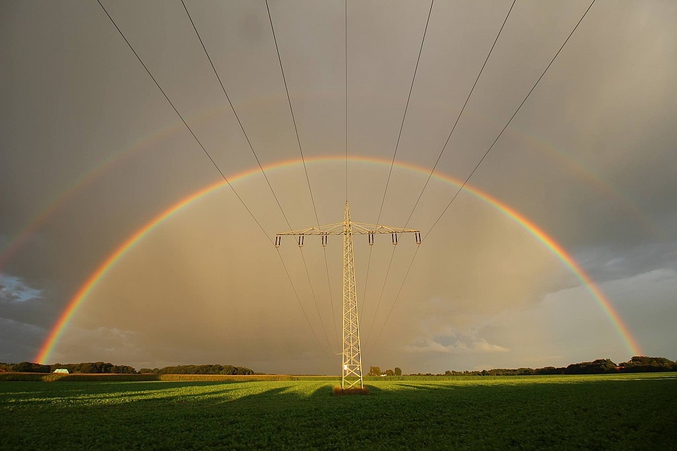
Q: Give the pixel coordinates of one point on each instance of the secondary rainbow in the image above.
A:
(84, 180)
(57, 330)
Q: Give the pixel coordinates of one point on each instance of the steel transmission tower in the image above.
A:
(351, 365)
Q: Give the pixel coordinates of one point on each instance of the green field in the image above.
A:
(630, 411)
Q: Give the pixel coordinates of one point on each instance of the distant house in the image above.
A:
(61, 370)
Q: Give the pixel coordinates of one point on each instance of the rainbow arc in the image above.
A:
(137, 237)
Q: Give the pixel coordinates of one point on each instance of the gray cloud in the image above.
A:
(88, 144)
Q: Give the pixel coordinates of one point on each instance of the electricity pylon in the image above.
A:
(351, 365)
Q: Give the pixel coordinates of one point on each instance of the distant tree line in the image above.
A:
(102, 367)
(637, 364)
(198, 369)
(87, 367)
(376, 371)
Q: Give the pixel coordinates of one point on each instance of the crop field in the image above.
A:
(630, 411)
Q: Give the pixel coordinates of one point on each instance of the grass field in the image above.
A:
(630, 411)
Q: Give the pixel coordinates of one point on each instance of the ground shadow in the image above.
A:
(306, 414)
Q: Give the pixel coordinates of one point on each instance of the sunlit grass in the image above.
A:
(629, 411)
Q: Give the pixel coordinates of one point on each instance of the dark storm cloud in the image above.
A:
(23, 303)
(622, 262)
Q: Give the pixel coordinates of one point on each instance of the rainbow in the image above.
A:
(83, 181)
(115, 159)
(57, 330)
(41, 218)
(35, 222)
(586, 173)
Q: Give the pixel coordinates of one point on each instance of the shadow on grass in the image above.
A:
(289, 414)
(427, 387)
(88, 394)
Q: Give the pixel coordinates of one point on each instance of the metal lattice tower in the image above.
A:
(351, 368)
(351, 362)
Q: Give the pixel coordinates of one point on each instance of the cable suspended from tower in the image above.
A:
(206, 152)
(467, 179)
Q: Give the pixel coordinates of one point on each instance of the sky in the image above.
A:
(561, 247)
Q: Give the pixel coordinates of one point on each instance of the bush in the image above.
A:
(647, 364)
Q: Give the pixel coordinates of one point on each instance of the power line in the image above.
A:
(397, 296)
(251, 147)
(509, 121)
(453, 128)
(312, 292)
(345, 34)
(378, 304)
(237, 117)
(298, 138)
(291, 109)
(397, 145)
(299, 301)
(331, 299)
(406, 107)
(483, 158)
(207, 154)
(345, 26)
(366, 279)
(185, 123)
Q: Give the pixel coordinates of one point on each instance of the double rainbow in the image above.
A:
(59, 327)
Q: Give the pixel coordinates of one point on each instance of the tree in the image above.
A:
(643, 364)
(30, 367)
(374, 371)
(390, 373)
(596, 367)
(205, 369)
(398, 371)
(123, 369)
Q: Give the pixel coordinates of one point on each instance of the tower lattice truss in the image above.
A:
(351, 364)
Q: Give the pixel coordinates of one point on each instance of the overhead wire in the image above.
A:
(509, 121)
(406, 108)
(397, 296)
(392, 163)
(185, 123)
(385, 280)
(333, 313)
(299, 300)
(258, 161)
(312, 292)
(291, 110)
(298, 140)
(251, 147)
(465, 182)
(237, 117)
(453, 128)
(345, 34)
(211, 159)
(345, 43)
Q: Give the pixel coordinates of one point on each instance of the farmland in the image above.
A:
(629, 411)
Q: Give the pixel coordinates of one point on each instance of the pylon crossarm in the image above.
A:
(360, 228)
(327, 229)
(351, 357)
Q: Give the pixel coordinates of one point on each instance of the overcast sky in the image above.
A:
(91, 151)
